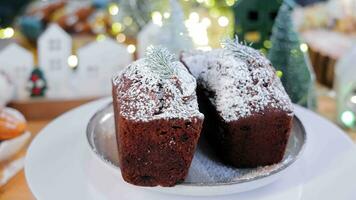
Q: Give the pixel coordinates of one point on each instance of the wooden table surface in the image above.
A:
(17, 188)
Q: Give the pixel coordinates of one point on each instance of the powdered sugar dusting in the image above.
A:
(143, 94)
(238, 84)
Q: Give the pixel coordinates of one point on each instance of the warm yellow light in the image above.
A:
(194, 17)
(279, 73)
(230, 2)
(113, 9)
(100, 37)
(353, 99)
(197, 30)
(304, 47)
(157, 18)
(121, 37)
(166, 15)
(210, 3)
(215, 13)
(267, 44)
(223, 21)
(131, 48)
(116, 27)
(6, 33)
(72, 61)
(206, 21)
(128, 21)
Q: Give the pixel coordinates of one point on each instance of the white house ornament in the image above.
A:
(54, 49)
(7, 89)
(17, 63)
(98, 61)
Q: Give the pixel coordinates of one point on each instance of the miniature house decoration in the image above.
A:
(54, 48)
(17, 63)
(98, 61)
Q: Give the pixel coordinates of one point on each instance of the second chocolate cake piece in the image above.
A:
(248, 115)
(158, 123)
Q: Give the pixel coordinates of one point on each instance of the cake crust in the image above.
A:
(248, 114)
(158, 122)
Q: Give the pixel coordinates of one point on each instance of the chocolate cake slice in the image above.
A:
(158, 122)
(248, 114)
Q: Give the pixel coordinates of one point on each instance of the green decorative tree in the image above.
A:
(37, 83)
(9, 10)
(139, 11)
(254, 20)
(288, 57)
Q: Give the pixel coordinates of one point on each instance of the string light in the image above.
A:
(194, 17)
(209, 3)
(166, 15)
(223, 21)
(267, 44)
(72, 61)
(353, 99)
(131, 48)
(128, 21)
(113, 9)
(121, 37)
(230, 2)
(206, 21)
(304, 47)
(157, 18)
(197, 30)
(214, 12)
(116, 27)
(348, 118)
(6, 33)
(279, 73)
(100, 37)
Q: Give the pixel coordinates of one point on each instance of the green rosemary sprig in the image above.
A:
(161, 61)
(239, 49)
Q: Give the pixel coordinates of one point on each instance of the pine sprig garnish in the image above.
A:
(239, 49)
(161, 61)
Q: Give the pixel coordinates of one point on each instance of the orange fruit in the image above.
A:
(12, 124)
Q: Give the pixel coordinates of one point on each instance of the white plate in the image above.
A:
(60, 166)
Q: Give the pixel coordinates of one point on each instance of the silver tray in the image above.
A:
(206, 169)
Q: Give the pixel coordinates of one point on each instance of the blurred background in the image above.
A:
(56, 55)
(60, 54)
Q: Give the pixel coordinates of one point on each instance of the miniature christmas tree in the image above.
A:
(137, 10)
(178, 38)
(37, 83)
(289, 58)
(172, 33)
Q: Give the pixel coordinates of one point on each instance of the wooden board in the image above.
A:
(43, 109)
